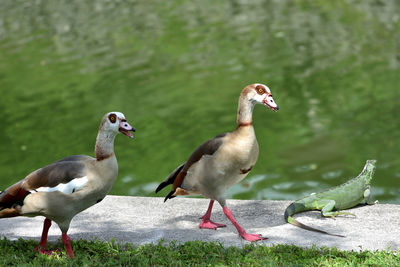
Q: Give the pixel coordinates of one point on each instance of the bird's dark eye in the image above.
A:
(260, 90)
(112, 118)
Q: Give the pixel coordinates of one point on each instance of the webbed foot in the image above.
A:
(208, 224)
(252, 237)
(41, 250)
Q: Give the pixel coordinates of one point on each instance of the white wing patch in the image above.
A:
(68, 188)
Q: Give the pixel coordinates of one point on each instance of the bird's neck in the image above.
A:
(104, 145)
(245, 112)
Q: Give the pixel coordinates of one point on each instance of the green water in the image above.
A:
(176, 69)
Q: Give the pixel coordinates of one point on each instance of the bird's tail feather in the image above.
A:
(170, 195)
(14, 194)
(171, 178)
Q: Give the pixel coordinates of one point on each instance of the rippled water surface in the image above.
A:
(176, 69)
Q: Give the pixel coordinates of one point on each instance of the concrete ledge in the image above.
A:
(141, 220)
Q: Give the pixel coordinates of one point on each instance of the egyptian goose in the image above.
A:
(66, 187)
(223, 161)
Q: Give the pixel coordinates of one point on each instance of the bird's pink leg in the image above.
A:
(67, 244)
(241, 231)
(206, 223)
(41, 248)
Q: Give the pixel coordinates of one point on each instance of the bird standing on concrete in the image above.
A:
(66, 187)
(223, 161)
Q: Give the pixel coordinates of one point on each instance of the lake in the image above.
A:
(176, 69)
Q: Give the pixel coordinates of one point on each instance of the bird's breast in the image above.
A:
(238, 153)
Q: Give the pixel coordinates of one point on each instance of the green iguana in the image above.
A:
(332, 201)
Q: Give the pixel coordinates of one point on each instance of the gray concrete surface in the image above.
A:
(141, 220)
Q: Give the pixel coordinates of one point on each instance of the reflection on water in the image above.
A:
(176, 69)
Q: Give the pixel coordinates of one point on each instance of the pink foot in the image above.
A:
(47, 252)
(208, 224)
(241, 231)
(252, 237)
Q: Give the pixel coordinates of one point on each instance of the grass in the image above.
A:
(196, 253)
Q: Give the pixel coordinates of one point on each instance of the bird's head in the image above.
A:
(260, 94)
(115, 122)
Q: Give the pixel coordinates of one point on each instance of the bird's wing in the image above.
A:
(50, 178)
(178, 175)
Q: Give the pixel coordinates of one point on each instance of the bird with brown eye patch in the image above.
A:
(222, 161)
(260, 89)
(64, 188)
(112, 118)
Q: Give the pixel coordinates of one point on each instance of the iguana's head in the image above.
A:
(369, 170)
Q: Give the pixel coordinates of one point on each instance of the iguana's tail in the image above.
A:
(291, 209)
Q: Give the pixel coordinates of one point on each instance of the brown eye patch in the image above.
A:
(260, 89)
(112, 118)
